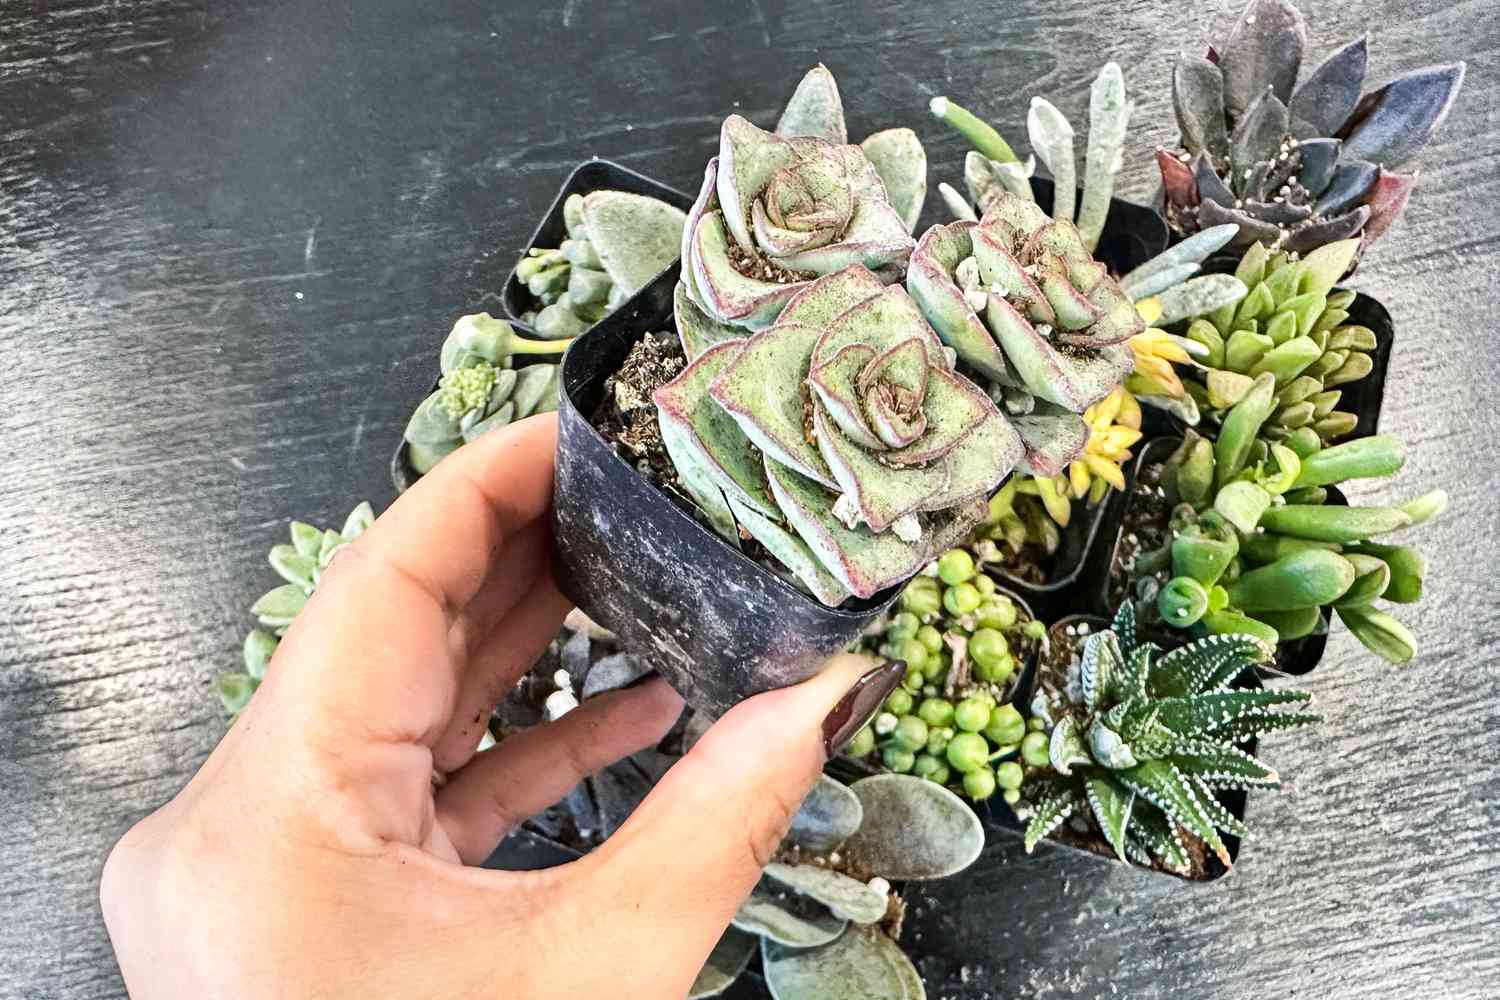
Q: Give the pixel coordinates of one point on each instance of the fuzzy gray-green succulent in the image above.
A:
(479, 390)
(617, 242)
(777, 210)
(824, 914)
(301, 565)
(1295, 165)
(840, 437)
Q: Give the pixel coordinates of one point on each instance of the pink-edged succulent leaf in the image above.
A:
(697, 331)
(1051, 437)
(930, 282)
(879, 494)
(815, 109)
(1387, 200)
(882, 321)
(980, 462)
(954, 407)
(893, 386)
(1074, 378)
(636, 237)
(874, 236)
(863, 561)
(1198, 98)
(1392, 124)
(704, 442)
(1263, 50)
(1072, 308)
(1176, 180)
(725, 293)
(821, 302)
(792, 552)
(749, 158)
(834, 382)
(1325, 100)
(998, 266)
(901, 162)
(762, 389)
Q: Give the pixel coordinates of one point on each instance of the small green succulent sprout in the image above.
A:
(479, 390)
(1255, 548)
(300, 564)
(992, 169)
(825, 926)
(780, 209)
(1139, 742)
(1295, 166)
(1022, 301)
(840, 437)
(617, 242)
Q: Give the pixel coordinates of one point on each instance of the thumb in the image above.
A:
(693, 850)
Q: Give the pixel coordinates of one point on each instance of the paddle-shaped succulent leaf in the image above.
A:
(1295, 165)
(862, 964)
(617, 242)
(1022, 301)
(914, 829)
(725, 963)
(779, 209)
(840, 436)
(1141, 740)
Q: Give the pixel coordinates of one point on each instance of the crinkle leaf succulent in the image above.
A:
(1023, 302)
(840, 437)
(1140, 741)
(617, 242)
(300, 564)
(479, 391)
(779, 209)
(1295, 165)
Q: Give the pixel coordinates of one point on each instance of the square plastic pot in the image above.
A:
(718, 625)
(590, 175)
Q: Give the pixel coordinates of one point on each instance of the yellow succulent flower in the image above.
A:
(1114, 427)
(1155, 352)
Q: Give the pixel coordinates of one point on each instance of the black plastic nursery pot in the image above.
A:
(719, 626)
(590, 175)
(1133, 234)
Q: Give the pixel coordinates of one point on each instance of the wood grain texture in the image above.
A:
(233, 235)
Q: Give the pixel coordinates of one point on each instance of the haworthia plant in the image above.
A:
(1139, 742)
(840, 437)
(779, 209)
(1295, 165)
(617, 242)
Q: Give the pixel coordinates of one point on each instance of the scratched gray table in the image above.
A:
(232, 236)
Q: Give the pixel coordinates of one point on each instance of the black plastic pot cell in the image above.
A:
(719, 626)
(1364, 398)
(591, 175)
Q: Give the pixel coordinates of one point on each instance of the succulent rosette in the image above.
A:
(841, 437)
(1021, 300)
(780, 209)
(1295, 165)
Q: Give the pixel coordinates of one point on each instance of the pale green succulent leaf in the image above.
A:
(636, 237)
(1052, 437)
(722, 291)
(1051, 137)
(258, 649)
(791, 551)
(828, 816)
(1109, 114)
(235, 691)
(725, 964)
(292, 566)
(861, 965)
(815, 109)
(901, 162)
(306, 538)
(1199, 296)
(795, 923)
(280, 606)
(913, 829)
(697, 330)
(846, 898)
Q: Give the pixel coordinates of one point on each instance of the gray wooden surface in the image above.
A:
(232, 236)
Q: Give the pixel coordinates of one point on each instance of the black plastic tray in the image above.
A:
(590, 175)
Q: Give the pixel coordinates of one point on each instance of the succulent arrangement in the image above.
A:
(1295, 163)
(1140, 742)
(617, 241)
(965, 643)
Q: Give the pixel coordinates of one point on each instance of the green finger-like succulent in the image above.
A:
(840, 437)
(1296, 164)
(617, 242)
(300, 565)
(1022, 301)
(777, 210)
(1139, 742)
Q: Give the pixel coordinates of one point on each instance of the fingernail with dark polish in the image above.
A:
(860, 705)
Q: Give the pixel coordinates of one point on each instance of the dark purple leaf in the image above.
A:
(1340, 227)
(1393, 123)
(1351, 181)
(1278, 212)
(1211, 186)
(1319, 159)
(1198, 97)
(1256, 137)
(1264, 49)
(1251, 228)
(1328, 96)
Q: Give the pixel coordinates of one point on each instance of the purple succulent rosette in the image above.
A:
(778, 210)
(840, 437)
(1295, 166)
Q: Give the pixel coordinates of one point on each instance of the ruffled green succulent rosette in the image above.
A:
(1295, 163)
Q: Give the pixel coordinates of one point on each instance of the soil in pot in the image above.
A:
(1143, 528)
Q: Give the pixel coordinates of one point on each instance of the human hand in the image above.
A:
(313, 856)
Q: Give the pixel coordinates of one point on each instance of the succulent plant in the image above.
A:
(780, 209)
(301, 565)
(1254, 547)
(991, 168)
(1295, 165)
(479, 391)
(1292, 324)
(617, 242)
(1051, 340)
(841, 438)
(1139, 742)
(963, 642)
(824, 915)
